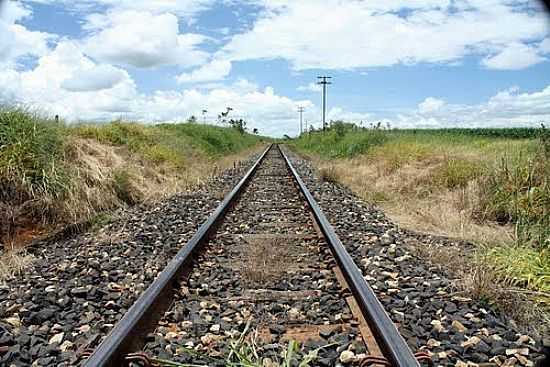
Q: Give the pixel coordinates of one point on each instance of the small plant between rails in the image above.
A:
(259, 275)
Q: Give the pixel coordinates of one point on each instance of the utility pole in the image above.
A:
(204, 116)
(323, 81)
(301, 111)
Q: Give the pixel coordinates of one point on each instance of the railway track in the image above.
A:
(267, 267)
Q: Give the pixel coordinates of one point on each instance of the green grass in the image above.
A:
(215, 141)
(31, 154)
(524, 266)
(456, 173)
(244, 351)
(335, 144)
(171, 143)
(41, 179)
(511, 167)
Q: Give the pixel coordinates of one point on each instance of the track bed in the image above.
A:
(268, 271)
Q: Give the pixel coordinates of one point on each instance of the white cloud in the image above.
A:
(67, 83)
(335, 34)
(311, 87)
(513, 57)
(142, 39)
(544, 46)
(507, 108)
(16, 40)
(95, 78)
(213, 71)
(43, 86)
(182, 8)
(430, 104)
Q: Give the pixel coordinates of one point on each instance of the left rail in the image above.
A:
(129, 333)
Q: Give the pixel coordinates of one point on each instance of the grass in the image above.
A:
(245, 351)
(52, 173)
(13, 262)
(340, 143)
(490, 187)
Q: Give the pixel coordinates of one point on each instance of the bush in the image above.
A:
(456, 173)
(519, 192)
(122, 182)
(329, 174)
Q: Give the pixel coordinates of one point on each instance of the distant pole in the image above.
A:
(323, 81)
(204, 116)
(301, 111)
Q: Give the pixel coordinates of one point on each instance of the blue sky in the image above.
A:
(421, 63)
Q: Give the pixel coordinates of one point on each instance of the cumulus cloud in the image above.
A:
(514, 57)
(213, 71)
(95, 78)
(68, 83)
(311, 87)
(58, 85)
(375, 33)
(507, 108)
(16, 40)
(142, 39)
(430, 104)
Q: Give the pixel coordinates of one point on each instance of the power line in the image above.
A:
(323, 81)
(301, 111)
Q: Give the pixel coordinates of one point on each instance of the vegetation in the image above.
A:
(489, 186)
(53, 173)
(341, 141)
(245, 351)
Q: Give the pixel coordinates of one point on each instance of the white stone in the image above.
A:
(57, 338)
(347, 356)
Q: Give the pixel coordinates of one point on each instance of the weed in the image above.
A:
(489, 186)
(31, 156)
(245, 351)
(329, 174)
(456, 173)
(124, 187)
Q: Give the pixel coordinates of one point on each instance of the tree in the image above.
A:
(222, 117)
(239, 125)
(255, 131)
(192, 119)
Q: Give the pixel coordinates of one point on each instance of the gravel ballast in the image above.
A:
(77, 288)
(416, 294)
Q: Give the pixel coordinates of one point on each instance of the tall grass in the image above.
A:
(484, 177)
(54, 173)
(337, 144)
(31, 156)
(33, 176)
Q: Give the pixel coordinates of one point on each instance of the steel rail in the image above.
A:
(128, 334)
(394, 347)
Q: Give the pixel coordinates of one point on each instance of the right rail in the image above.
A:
(392, 343)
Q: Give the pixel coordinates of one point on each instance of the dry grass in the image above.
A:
(434, 188)
(13, 262)
(476, 276)
(106, 177)
(265, 259)
(410, 195)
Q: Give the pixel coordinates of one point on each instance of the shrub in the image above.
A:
(329, 174)
(519, 192)
(456, 173)
(124, 188)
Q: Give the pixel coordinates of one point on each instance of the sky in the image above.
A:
(407, 63)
